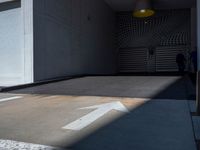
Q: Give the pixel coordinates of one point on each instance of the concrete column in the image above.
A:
(198, 55)
(198, 32)
(27, 12)
(193, 28)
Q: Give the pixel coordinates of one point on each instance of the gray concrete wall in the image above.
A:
(165, 28)
(193, 28)
(73, 37)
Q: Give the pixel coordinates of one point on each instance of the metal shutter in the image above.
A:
(133, 60)
(166, 58)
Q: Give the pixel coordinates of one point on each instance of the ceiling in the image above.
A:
(128, 5)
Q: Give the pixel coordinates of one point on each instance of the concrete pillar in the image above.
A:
(193, 28)
(198, 54)
(198, 32)
(27, 12)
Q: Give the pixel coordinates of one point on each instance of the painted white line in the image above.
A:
(100, 111)
(14, 145)
(10, 98)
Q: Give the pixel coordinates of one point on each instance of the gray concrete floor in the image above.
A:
(159, 117)
(150, 124)
(155, 87)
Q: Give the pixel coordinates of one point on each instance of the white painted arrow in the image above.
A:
(100, 111)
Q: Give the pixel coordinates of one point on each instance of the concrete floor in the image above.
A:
(155, 87)
(159, 115)
(152, 125)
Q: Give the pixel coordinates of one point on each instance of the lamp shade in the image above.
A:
(143, 8)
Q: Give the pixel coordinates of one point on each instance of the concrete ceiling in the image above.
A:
(128, 5)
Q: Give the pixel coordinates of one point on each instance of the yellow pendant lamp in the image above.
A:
(143, 9)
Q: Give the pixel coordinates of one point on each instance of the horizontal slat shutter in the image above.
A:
(133, 60)
(166, 58)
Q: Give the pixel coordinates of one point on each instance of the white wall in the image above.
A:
(15, 46)
(73, 37)
(27, 12)
(11, 47)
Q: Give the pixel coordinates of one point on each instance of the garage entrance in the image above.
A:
(75, 38)
(99, 46)
(152, 60)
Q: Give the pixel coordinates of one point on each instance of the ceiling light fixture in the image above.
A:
(143, 9)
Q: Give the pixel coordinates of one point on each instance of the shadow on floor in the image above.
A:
(155, 125)
(180, 89)
(155, 87)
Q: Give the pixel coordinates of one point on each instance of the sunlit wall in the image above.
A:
(15, 45)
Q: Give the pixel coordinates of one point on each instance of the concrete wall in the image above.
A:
(15, 47)
(27, 8)
(193, 28)
(198, 32)
(11, 47)
(73, 37)
(165, 28)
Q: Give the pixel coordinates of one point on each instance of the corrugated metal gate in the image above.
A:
(133, 60)
(159, 59)
(166, 58)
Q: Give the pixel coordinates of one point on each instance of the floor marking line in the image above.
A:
(10, 98)
(100, 111)
(15, 145)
